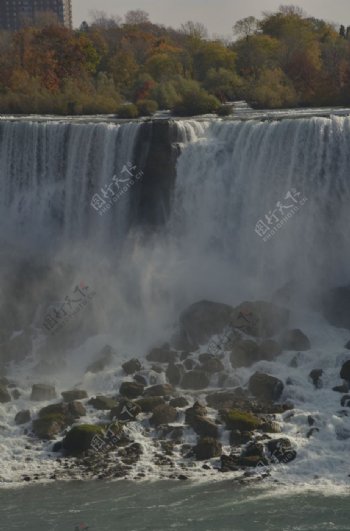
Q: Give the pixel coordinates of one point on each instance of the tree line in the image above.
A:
(133, 67)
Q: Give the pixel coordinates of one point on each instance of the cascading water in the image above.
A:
(149, 258)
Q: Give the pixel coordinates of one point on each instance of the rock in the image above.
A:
(195, 380)
(131, 389)
(341, 388)
(105, 357)
(345, 371)
(197, 410)
(336, 307)
(41, 392)
(207, 448)
(269, 350)
(125, 411)
(270, 426)
(253, 449)
(148, 404)
(74, 394)
(162, 355)
(140, 379)
(130, 454)
(315, 375)
(295, 340)
(240, 420)
(204, 427)
(174, 373)
(244, 353)
(311, 432)
(237, 437)
(226, 399)
(22, 417)
(163, 414)
(281, 450)
(260, 318)
(48, 426)
(15, 394)
(174, 432)
(4, 395)
(131, 366)
(159, 390)
(180, 402)
(235, 462)
(212, 365)
(265, 387)
(78, 439)
(199, 322)
(102, 402)
(76, 409)
(347, 346)
(190, 364)
(53, 409)
(345, 401)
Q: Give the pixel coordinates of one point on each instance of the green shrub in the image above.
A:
(195, 103)
(128, 111)
(225, 110)
(147, 107)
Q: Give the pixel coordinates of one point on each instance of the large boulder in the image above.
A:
(22, 417)
(199, 322)
(78, 439)
(102, 402)
(295, 340)
(131, 389)
(4, 395)
(246, 352)
(207, 448)
(174, 373)
(240, 420)
(345, 371)
(49, 426)
(336, 307)
(226, 399)
(41, 392)
(265, 387)
(260, 318)
(125, 411)
(131, 366)
(159, 390)
(281, 450)
(162, 355)
(195, 380)
(163, 414)
(149, 403)
(74, 394)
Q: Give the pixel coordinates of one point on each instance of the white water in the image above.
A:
(230, 174)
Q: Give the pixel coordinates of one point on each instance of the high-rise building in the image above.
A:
(14, 14)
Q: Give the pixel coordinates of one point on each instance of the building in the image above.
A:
(15, 14)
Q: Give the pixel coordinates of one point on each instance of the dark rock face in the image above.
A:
(347, 345)
(74, 394)
(42, 392)
(102, 402)
(148, 404)
(163, 414)
(174, 373)
(195, 380)
(125, 411)
(336, 307)
(265, 387)
(345, 371)
(162, 355)
(260, 318)
(22, 417)
(131, 389)
(281, 450)
(78, 439)
(180, 402)
(199, 322)
(131, 366)
(159, 390)
(4, 395)
(105, 357)
(316, 375)
(204, 427)
(207, 448)
(295, 340)
(341, 388)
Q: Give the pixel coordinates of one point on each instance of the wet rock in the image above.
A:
(174, 373)
(345, 401)
(345, 371)
(281, 450)
(269, 349)
(102, 402)
(236, 462)
(148, 404)
(237, 437)
(240, 420)
(22, 417)
(163, 414)
(244, 353)
(131, 366)
(204, 427)
(41, 392)
(315, 376)
(159, 390)
(15, 394)
(336, 307)
(4, 395)
(105, 357)
(180, 402)
(125, 411)
(131, 389)
(341, 388)
(347, 345)
(265, 387)
(190, 364)
(311, 432)
(199, 322)
(74, 394)
(253, 449)
(195, 380)
(131, 453)
(140, 379)
(78, 439)
(295, 340)
(76, 409)
(162, 355)
(260, 318)
(270, 426)
(174, 432)
(212, 365)
(226, 399)
(197, 410)
(207, 448)
(310, 420)
(49, 426)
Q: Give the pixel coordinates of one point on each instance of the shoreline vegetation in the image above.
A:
(132, 67)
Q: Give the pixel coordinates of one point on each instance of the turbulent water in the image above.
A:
(234, 179)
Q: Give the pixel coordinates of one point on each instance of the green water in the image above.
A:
(126, 506)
